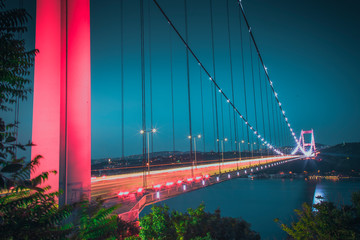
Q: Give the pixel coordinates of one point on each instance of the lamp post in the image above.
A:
(252, 149)
(198, 136)
(222, 148)
(148, 144)
(242, 141)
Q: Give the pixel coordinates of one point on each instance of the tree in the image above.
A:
(15, 65)
(193, 224)
(326, 221)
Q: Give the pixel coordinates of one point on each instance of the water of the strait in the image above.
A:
(260, 201)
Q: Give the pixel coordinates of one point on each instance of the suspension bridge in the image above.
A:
(199, 92)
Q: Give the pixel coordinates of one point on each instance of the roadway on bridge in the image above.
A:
(110, 186)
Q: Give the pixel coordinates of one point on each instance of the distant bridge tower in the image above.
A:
(61, 113)
(308, 149)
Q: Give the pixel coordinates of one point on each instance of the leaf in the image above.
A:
(11, 168)
(10, 139)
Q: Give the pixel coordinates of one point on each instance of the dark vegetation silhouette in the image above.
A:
(326, 221)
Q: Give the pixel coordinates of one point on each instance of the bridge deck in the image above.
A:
(166, 182)
(133, 204)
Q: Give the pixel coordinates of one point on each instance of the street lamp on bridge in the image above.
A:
(197, 137)
(148, 143)
(242, 141)
(222, 147)
(252, 149)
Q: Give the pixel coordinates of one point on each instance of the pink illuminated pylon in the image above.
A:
(302, 144)
(62, 99)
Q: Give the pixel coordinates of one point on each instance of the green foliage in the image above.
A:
(33, 214)
(92, 221)
(326, 221)
(15, 61)
(194, 224)
(15, 65)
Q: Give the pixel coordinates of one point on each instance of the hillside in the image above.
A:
(342, 158)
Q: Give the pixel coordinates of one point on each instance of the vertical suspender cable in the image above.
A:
(215, 93)
(17, 99)
(244, 79)
(150, 82)
(274, 122)
(188, 78)
(262, 103)
(273, 118)
(268, 111)
(143, 88)
(231, 74)
(122, 77)
(278, 125)
(202, 109)
(253, 83)
(172, 91)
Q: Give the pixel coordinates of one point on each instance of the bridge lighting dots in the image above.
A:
(228, 100)
(286, 119)
(255, 132)
(283, 112)
(289, 124)
(225, 139)
(169, 184)
(219, 90)
(199, 136)
(157, 186)
(142, 131)
(189, 137)
(154, 130)
(242, 141)
(279, 103)
(210, 78)
(251, 128)
(246, 123)
(276, 94)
